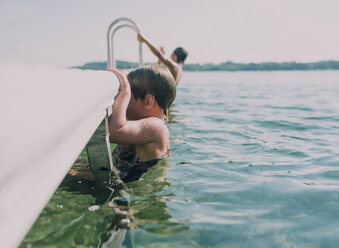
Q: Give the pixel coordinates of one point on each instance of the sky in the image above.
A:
(73, 32)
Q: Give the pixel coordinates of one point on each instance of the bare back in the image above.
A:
(175, 69)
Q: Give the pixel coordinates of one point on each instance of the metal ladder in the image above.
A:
(128, 23)
(98, 148)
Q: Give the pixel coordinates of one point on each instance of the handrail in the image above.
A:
(110, 54)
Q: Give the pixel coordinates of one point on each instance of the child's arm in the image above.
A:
(121, 100)
(123, 131)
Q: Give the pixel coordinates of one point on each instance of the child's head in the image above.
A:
(180, 54)
(155, 80)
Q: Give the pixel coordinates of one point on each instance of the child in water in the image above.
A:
(137, 120)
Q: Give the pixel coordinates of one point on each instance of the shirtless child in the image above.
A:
(174, 63)
(137, 120)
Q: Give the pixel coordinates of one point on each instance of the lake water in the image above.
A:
(254, 163)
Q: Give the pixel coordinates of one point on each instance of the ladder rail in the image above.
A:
(111, 64)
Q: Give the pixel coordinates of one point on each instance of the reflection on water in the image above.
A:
(172, 114)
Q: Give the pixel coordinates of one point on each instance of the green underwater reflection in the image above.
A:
(82, 213)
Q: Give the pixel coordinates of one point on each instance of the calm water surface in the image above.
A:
(254, 163)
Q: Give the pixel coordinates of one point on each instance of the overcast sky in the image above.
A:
(73, 32)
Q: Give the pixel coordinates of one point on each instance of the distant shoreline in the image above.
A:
(230, 66)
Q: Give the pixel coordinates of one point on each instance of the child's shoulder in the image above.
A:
(158, 142)
(157, 127)
(156, 123)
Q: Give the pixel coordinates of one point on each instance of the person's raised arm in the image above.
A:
(171, 65)
(157, 52)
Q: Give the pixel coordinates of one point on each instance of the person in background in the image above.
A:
(174, 63)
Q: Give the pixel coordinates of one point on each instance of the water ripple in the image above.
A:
(264, 159)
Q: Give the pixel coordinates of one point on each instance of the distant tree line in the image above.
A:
(230, 66)
(103, 65)
(269, 66)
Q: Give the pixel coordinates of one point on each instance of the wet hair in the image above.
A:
(181, 54)
(155, 80)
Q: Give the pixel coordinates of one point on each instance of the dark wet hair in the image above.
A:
(155, 80)
(181, 54)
